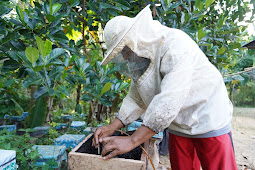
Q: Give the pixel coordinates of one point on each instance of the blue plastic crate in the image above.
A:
(87, 131)
(135, 124)
(45, 129)
(66, 117)
(69, 140)
(9, 127)
(25, 114)
(79, 125)
(17, 118)
(159, 135)
(51, 152)
(131, 128)
(61, 126)
(6, 116)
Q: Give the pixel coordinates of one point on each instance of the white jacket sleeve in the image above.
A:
(132, 106)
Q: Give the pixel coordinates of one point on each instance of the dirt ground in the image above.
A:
(243, 133)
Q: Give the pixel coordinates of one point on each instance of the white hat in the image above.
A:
(115, 30)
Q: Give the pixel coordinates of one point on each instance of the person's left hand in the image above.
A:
(118, 145)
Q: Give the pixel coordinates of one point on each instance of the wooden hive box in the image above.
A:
(84, 161)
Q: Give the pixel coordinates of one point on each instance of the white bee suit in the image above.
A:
(180, 89)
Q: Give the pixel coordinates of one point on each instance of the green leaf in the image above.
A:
(40, 92)
(4, 10)
(92, 6)
(18, 107)
(40, 46)
(10, 36)
(98, 87)
(221, 50)
(31, 81)
(55, 8)
(201, 6)
(106, 87)
(13, 55)
(38, 68)
(124, 85)
(20, 13)
(75, 3)
(200, 34)
(32, 54)
(208, 3)
(38, 113)
(55, 53)
(197, 3)
(221, 21)
(108, 6)
(50, 18)
(48, 47)
(51, 6)
(123, 2)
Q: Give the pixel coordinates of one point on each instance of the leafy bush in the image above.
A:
(26, 157)
(245, 95)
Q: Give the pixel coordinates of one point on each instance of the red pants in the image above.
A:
(214, 153)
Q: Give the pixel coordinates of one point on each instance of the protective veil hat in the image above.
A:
(115, 30)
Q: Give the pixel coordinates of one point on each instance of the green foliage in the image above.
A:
(12, 101)
(213, 27)
(245, 95)
(48, 139)
(25, 155)
(32, 54)
(57, 45)
(38, 113)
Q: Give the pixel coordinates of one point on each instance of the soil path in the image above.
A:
(243, 133)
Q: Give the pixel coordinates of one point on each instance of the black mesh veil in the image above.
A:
(129, 63)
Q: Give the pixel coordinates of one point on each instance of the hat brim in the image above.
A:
(115, 50)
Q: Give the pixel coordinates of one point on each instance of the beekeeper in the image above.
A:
(173, 86)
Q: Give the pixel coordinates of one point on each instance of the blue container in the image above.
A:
(78, 125)
(51, 152)
(25, 114)
(69, 140)
(159, 135)
(9, 127)
(131, 129)
(66, 117)
(87, 131)
(6, 116)
(60, 126)
(135, 124)
(45, 129)
(17, 118)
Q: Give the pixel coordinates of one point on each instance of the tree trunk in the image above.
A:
(99, 111)
(115, 104)
(91, 111)
(32, 100)
(61, 106)
(78, 96)
(49, 109)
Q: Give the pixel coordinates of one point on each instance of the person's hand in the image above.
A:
(105, 131)
(117, 145)
(100, 133)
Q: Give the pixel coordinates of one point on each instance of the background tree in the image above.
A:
(54, 47)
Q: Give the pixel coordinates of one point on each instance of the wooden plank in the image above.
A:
(84, 161)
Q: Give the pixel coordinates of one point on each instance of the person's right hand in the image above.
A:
(101, 132)
(106, 131)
